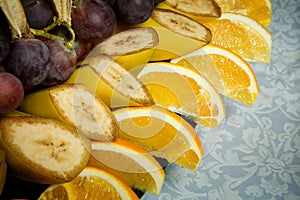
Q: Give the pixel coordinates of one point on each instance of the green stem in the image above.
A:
(70, 44)
(44, 34)
(56, 22)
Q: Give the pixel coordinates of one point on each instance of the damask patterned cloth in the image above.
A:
(255, 153)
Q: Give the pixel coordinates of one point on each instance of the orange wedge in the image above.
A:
(91, 184)
(260, 10)
(162, 133)
(238, 80)
(243, 35)
(130, 163)
(183, 91)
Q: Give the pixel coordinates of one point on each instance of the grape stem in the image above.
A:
(44, 34)
(56, 22)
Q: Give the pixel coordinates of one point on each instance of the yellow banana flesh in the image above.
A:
(111, 82)
(178, 34)
(75, 105)
(42, 150)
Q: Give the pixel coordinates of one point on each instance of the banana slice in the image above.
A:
(199, 10)
(18, 23)
(43, 150)
(129, 48)
(75, 105)
(3, 170)
(178, 34)
(111, 82)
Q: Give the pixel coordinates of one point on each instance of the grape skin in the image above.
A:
(5, 37)
(4, 45)
(11, 92)
(39, 13)
(82, 49)
(93, 21)
(2, 68)
(134, 11)
(28, 60)
(62, 62)
(109, 2)
(158, 1)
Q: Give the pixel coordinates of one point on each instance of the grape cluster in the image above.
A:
(50, 56)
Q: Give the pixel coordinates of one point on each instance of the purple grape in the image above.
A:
(134, 11)
(5, 37)
(82, 49)
(62, 62)
(93, 21)
(2, 68)
(11, 92)
(4, 45)
(158, 1)
(109, 2)
(28, 60)
(39, 13)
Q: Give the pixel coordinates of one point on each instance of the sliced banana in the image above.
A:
(177, 33)
(205, 8)
(18, 23)
(76, 105)
(127, 42)
(111, 82)
(129, 48)
(182, 25)
(43, 150)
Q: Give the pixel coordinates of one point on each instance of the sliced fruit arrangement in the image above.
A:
(230, 74)
(162, 133)
(133, 165)
(243, 35)
(104, 85)
(91, 184)
(183, 90)
(42, 150)
(75, 105)
(111, 82)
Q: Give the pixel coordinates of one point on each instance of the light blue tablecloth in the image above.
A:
(255, 153)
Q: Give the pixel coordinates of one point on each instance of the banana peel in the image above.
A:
(75, 105)
(3, 170)
(178, 34)
(111, 82)
(42, 150)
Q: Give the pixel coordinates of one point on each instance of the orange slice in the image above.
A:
(243, 35)
(184, 91)
(238, 80)
(162, 133)
(91, 184)
(130, 163)
(260, 10)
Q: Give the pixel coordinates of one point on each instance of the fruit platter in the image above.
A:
(116, 99)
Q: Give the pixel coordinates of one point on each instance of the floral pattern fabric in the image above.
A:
(255, 153)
